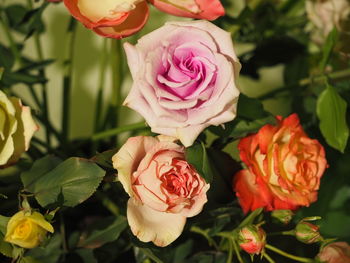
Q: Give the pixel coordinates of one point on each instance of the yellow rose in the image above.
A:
(16, 129)
(27, 230)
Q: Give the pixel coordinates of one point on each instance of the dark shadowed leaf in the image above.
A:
(331, 110)
(197, 156)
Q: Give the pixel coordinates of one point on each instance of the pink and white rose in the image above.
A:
(164, 189)
(184, 78)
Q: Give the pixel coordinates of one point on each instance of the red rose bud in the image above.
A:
(307, 233)
(252, 239)
(282, 216)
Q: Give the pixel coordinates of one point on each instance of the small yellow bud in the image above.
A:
(27, 229)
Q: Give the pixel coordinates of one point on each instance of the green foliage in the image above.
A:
(49, 253)
(68, 183)
(328, 48)
(197, 156)
(104, 231)
(331, 110)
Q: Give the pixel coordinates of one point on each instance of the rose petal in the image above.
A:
(200, 9)
(135, 21)
(150, 225)
(128, 158)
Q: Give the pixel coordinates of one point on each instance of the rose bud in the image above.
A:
(307, 233)
(284, 167)
(200, 9)
(114, 19)
(337, 252)
(16, 129)
(164, 189)
(27, 230)
(282, 216)
(252, 239)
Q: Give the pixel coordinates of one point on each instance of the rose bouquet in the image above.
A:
(174, 131)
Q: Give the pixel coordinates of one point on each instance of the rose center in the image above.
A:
(23, 230)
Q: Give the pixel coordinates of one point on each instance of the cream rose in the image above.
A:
(16, 129)
(327, 14)
(164, 189)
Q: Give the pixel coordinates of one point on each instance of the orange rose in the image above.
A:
(284, 167)
(115, 19)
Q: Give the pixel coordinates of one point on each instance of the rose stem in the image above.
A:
(268, 258)
(117, 81)
(238, 254)
(287, 255)
(283, 233)
(101, 84)
(118, 130)
(68, 80)
(304, 82)
(39, 50)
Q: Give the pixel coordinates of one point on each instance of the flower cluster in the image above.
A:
(118, 19)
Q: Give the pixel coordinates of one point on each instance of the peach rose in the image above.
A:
(284, 167)
(337, 252)
(110, 18)
(16, 129)
(164, 189)
(200, 9)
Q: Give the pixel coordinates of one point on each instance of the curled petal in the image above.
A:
(200, 9)
(135, 21)
(150, 225)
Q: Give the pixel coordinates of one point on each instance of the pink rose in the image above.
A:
(164, 189)
(200, 9)
(337, 252)
(184, 78)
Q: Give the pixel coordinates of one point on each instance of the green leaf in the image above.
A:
(250, 108)
(332, 39)
(12, 78)
(242, 127)
(3, 224)
(104, 159)
(183, 251)
(68, 183)
(5, 247)
(331, 110)
(104, 231)
(1, 72)
(87, 255)
(197, 156)
(48, 254)
(7, 59)
(29, 260)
